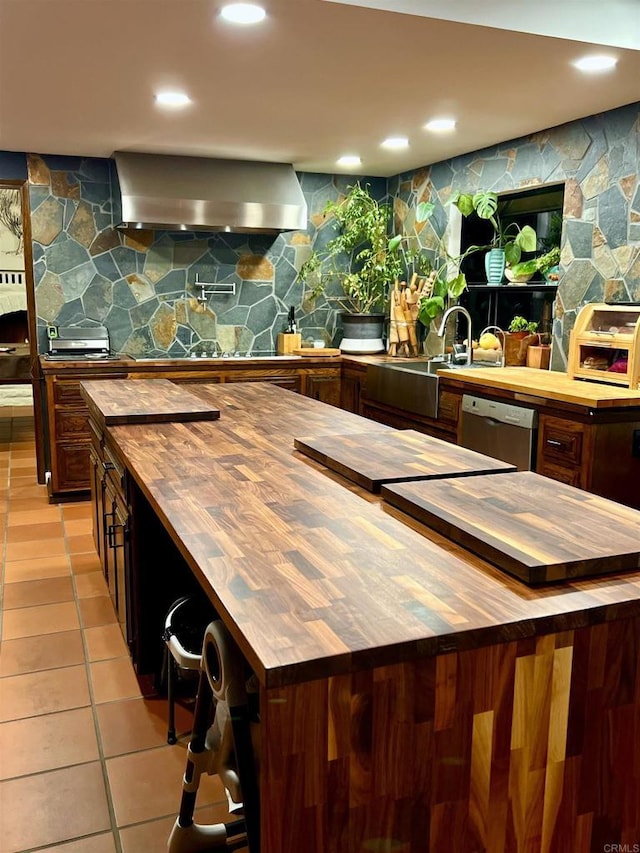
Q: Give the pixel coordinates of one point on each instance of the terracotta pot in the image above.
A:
(515, 347)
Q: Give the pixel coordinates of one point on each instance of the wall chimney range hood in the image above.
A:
(176, 193)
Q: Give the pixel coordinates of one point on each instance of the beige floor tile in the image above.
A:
(52, 807)
(81, 563)
(153, 835)
(35, 548)
(90, 584)
(134, 724)
(104, 642)
(103, 843)
(156, 777)
(47, 742)
(34, 516)
(35, 532)
(78, 527)
(113, 679)
(29, 504)
(37, 568)
(81, 509)
(43, 692)
(81, 544)
(30, 654)
(96, 611)
(44, 619)
(26, 490)
(31, 593)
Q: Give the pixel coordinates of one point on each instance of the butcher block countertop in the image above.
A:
(396, 456)
(533, 527)
(314, 576)
(548, 384)
(153, 401)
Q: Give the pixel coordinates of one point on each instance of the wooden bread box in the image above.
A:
(605, 345)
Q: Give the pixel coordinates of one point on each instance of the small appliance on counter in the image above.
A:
(605, 344)
(73, 343)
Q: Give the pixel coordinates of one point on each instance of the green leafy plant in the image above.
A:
(511, 237)
(362, 256)
(540, 264)
(520, 324)
(446, 286)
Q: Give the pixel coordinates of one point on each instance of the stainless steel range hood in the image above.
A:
(175, 193)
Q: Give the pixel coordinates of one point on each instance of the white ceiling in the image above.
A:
(320, 78)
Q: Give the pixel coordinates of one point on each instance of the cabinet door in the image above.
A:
(120, 544)
(97, 501)
(324, 388)
(352, 386)
(109, 544)
(71, 474)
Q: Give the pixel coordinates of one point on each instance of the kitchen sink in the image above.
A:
(411, 386)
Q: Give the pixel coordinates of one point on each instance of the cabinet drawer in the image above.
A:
(72, 423)
(449, 407)
(570, 476)
(561, 441)
(67, 392)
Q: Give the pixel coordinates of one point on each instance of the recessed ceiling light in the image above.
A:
(395, 142)
(440, 124)
(172, 99)
(243, 13)
(349, 160)
(595, 63)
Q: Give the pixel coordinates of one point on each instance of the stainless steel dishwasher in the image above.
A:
(500, 430)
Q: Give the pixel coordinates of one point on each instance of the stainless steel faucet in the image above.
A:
(443, 327)
(504, 341)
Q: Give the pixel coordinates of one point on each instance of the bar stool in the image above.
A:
(184, 629)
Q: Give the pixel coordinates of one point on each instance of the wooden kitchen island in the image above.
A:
(412, 696)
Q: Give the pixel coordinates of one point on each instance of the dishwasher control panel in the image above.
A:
(505, 413)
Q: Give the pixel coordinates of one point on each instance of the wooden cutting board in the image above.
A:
(135, 401)
(321, 352)
(395, 456)
(530, 526)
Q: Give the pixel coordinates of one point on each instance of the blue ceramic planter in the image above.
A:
(494, 263)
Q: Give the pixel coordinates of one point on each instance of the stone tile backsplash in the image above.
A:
(141, 284)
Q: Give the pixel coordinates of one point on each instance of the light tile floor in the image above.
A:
(84, 764)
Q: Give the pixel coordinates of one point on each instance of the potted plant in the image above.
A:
(509, 241)
(521, 334)
(521, 327)
(544, 264)
(364, 260)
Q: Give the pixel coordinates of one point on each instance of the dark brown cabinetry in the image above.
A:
(353, 387)
(69, 436)
(72, 471)
(561, 446)
(111, 525)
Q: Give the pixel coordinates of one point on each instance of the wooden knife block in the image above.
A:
(288, 342)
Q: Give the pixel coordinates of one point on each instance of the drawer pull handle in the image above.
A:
(108, 466)
(554, 442)
(111, 535)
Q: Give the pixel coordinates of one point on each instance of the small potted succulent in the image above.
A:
(521, 334)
